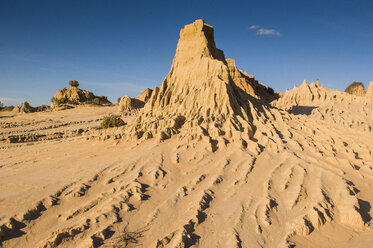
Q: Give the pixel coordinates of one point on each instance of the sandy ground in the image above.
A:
(308, 185)
(48, 123)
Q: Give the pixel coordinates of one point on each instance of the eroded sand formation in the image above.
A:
(128, 105)
(199, 97)
(27, 108)
(73, 96)
(145, 95)
(212, 160)
(332, 106)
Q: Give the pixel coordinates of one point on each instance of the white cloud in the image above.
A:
(262, 31)
(269, 32)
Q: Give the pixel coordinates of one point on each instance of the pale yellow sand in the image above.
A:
(313, 187)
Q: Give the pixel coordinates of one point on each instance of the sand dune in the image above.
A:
(205, 163)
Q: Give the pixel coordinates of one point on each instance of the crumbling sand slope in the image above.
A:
(145, 95)
(233, 171)
(335, 107)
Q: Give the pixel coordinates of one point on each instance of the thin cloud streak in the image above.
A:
(269, 32)
(264, 32)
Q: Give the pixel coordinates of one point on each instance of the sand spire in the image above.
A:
(198, 94)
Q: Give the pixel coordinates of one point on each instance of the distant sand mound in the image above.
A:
(356, 88)
(73, 96)
(145, 95)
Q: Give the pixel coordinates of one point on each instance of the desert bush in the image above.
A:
(353, 86)
(7, 108)
(270, 91)
(112, 121)
(127, 238)
(74, 83)
(96, 101)
(58, 101)
(42, 108)
(1, 105)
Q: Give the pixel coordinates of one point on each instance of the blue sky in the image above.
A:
(117, 48)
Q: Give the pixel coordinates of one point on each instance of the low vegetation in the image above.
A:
(112, 121)
(74, 83)
(270, 91)
(58, 101)
(353, 86)
(97, 100)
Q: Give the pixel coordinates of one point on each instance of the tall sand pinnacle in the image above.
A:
(198, 94)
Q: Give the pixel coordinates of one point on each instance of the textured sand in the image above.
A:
(307, 183)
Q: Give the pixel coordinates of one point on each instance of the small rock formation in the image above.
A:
(73, 96)
(128, 105)
(145, 95)
(16, 109)
(356, 88)
(26, 108)
(370, 90)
